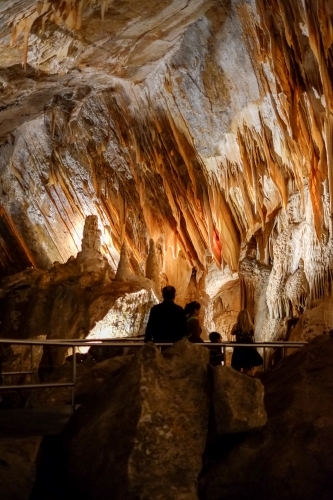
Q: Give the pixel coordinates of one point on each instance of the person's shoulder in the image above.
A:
(156, 307)
(178, 308)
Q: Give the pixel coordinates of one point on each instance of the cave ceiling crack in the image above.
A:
(200, 90)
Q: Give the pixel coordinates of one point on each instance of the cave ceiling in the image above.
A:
(204, 125)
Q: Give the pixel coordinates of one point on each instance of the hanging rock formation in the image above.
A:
(205, 126)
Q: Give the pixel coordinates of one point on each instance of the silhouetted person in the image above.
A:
(192, 318)
(244, 359)
(216, 356)
(167, 321)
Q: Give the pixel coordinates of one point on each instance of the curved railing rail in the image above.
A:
(123, 342)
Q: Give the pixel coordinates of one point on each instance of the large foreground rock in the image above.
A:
(143, 434)
(238, 401)
(291, 457)
(17, 466)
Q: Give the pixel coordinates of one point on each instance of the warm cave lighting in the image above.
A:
(174, 142)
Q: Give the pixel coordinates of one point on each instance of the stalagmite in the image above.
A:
(297, 289)
(91, 234)
(153, 267)
(124, 268)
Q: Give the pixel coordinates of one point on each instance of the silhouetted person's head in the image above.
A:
(244, 322)
(169, 293)
(215, 337)
(192, 308)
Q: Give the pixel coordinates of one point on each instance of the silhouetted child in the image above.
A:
(216, 356)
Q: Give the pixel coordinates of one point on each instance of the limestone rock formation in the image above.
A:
(72, 300)
(145, 430)
(203, 125)
(291, 456)
(123, 269)
(297, 289)
(238, 401)
(152, 266)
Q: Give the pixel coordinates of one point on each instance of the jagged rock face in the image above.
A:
(205, 126)
(17, 466)
(238, 401)
(145, 430)
(73, 300)
(290, 457)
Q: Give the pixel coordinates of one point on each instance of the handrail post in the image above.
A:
(264, 358)
(74, 378)
(224, 355)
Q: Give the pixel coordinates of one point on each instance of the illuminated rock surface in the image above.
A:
(197, 134)
(198, 129)
(73, 300)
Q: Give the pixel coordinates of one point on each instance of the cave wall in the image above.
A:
(205, 126)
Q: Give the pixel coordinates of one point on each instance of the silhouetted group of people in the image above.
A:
(169, 322)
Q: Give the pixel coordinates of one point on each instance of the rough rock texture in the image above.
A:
(149, 443)
(291, 457)
(73, 300)
(17, 466)
(203, 125)
(238, 401)
(90, 375)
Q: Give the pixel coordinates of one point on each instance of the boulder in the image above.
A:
(291, 457)
(90, 375)
(238, 401)
(17, 466)
(142, 435)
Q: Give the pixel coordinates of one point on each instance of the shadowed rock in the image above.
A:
(238, 401)
(143, 434)
(291, 457)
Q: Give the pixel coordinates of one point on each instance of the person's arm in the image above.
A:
(149, 334)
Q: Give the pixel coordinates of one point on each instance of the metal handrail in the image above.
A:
(117, 343)
(74, 343)
(17, 373)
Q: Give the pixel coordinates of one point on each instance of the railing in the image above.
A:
(74, 343)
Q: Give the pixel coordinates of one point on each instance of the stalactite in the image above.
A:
(274, 169)
(225, 226)
(283, 37)
(67, 12)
